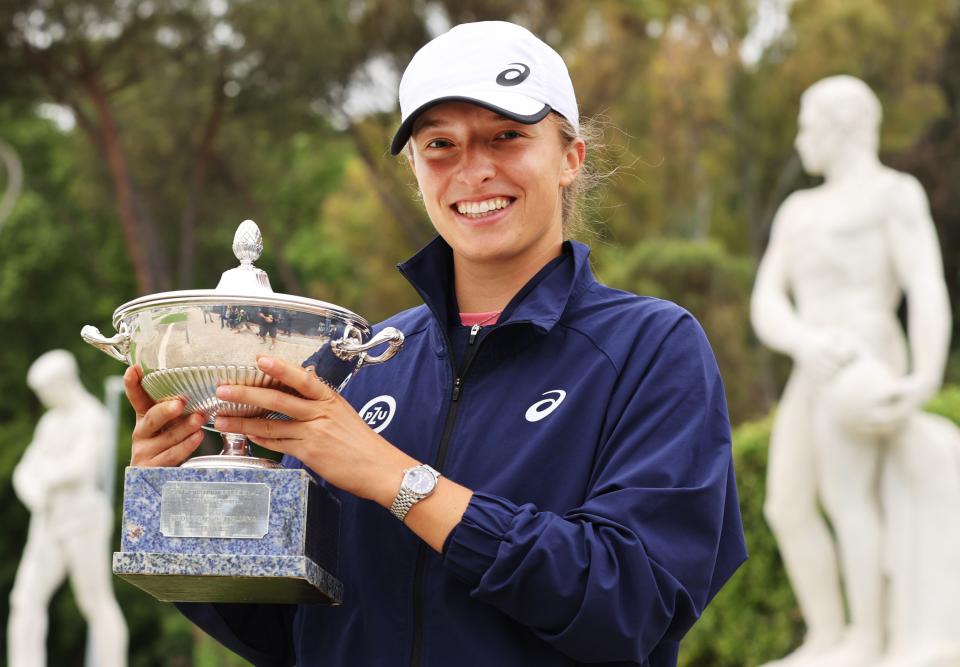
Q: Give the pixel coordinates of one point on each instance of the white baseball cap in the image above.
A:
(494, 64)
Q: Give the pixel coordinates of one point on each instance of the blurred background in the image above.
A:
(135, 136)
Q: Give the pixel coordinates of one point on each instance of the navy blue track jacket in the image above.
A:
(592, 426)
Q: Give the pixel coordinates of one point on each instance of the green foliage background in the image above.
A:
(235, 109)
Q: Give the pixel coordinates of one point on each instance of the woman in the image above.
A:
(558, 452)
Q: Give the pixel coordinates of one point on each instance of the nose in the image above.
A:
(476, 166)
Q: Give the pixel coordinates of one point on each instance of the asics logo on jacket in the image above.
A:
(545, 408)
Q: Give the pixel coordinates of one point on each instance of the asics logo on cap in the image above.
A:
(513, 76)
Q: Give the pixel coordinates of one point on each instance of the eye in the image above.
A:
(510, 134)
(438, 143)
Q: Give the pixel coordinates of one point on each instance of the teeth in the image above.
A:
(478, 208)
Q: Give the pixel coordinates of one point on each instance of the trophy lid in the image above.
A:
(243, 284)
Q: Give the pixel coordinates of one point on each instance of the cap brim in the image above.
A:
(521, 102)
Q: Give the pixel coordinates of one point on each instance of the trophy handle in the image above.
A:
(117, 346)
(350, 345)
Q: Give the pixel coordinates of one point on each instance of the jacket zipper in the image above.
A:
(472, 347)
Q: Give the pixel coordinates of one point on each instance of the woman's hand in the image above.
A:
(326, 433)
(163, 436)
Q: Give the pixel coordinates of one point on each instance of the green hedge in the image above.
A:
(755, 617)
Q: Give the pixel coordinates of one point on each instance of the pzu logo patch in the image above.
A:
(378, 412)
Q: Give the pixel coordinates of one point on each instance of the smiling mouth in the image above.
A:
(480, 209)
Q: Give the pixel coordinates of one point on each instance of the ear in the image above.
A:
(573, 156)
(411, 162)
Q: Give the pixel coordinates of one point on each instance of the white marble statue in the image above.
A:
(70, 519)
(849, 436)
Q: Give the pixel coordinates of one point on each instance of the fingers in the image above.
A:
(183, 432)
(269, 399)
(171, 456)
(270, 429)
(157, 418)
(282, 445)
(138, 398)
(295, 377)
(161, 437)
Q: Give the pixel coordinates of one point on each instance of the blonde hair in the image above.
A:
(574, 196)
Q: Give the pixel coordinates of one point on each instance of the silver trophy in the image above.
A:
(190, 342)
(233, 527)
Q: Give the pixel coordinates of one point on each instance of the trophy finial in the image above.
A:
(247, 242)
(246, 278)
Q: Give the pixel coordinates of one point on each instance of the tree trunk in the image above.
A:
(142, 240)
(192, 207)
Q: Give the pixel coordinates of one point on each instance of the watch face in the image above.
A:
(419, 481)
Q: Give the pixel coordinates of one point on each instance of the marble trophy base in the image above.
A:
(229, 535)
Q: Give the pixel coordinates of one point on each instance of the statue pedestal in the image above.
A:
(229, 535)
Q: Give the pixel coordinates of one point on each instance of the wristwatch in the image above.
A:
(418, 483)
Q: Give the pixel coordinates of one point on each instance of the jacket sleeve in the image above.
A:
(657, 535)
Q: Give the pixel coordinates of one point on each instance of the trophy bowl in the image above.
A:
(189, 342)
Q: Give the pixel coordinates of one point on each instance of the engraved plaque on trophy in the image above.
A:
(232, 527)
(214, 509)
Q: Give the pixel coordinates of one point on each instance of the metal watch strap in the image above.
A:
(403, 502)
(406, 498)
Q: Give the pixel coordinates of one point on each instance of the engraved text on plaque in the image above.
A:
(214, 509)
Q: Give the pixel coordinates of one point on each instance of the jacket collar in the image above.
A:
(540, 302)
